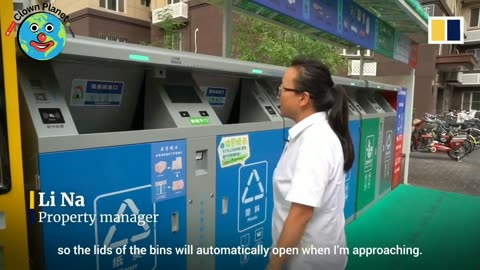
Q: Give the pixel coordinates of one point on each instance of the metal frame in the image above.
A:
(13, 238)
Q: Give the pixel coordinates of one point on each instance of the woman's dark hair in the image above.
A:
(315, 78)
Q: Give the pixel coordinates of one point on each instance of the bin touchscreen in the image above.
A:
(182, 93)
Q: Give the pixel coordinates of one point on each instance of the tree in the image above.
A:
(170, 30)
(258, 41)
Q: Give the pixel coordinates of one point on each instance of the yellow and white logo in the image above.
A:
(445, 30)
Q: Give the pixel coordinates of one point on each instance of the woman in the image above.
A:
(309, 180)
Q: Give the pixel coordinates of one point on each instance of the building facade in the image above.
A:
(467, 91)
(446, 76)
(137, 21)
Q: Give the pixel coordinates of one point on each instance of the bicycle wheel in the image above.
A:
(474, 141)
(468, 145)
(457, 154)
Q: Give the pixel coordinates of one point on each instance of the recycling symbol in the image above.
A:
(253, 174)
(389, 140)
(111, 232)
(369, 149)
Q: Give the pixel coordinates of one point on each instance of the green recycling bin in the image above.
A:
(388, 124)
(369, 140)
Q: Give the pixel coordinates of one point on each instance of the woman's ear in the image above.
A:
(305, 98)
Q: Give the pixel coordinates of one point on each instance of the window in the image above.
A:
(112, 37)
(177, 41)
(475, 101)
(474, 17)
(113, 5)
(169, 2)
(476, 52)
(466, 100)
(145, 3)
(471, 101)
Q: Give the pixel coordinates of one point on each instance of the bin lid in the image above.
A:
(351, 108)
(348, 81)
(375, 105)
(355, 106)
(383, 86)
(386, 106)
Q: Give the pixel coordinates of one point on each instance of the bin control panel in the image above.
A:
(261, 96)
(191, 107)
(270, 110)
(177, 103)
(51, 115)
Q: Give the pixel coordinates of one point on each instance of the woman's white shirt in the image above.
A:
(310, 172)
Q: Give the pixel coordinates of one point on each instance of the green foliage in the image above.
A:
(258, 41)
(171, 30)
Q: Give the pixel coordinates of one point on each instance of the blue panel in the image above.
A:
(168, 170)
(352, 175)
(323, 15)
(358, 25)
(342, 18)
(112, 180)
(401, 99)
(216, 96)
(453, 30)
(250, 201)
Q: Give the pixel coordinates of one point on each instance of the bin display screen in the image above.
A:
(182, 94)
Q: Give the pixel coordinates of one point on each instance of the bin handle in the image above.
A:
(174, 219)
(224, 205)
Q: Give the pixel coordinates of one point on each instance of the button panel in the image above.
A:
(51, 116)
(270, 110)
(184, 114)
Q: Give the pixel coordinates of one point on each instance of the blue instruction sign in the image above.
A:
(252, 195)
(96, 93)
(168, 170)
(120, 221)
(402, 99)
(216, 96)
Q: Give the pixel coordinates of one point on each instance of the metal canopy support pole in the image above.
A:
(362, 54)
(407, 131)
(227, 29)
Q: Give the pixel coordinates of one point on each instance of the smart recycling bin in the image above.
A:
(388, 135)
(367, 163)
(143, 155)
(145, 158)
(354, 126)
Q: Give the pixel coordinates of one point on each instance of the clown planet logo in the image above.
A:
(42, 36)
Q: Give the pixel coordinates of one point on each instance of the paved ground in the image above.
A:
(438, 171)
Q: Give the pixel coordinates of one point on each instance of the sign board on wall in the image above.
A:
(429, 9)
(344, 22)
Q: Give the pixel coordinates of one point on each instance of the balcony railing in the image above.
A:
(179, 12)
(369, 68)
(469, 78)
(472, 36)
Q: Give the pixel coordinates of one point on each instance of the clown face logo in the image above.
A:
(42, 36)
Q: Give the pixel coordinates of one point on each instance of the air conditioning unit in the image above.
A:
(369, 68)
(179, 12)
(452, 77)
(356, 53)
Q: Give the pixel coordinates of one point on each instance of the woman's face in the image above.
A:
(288, 95)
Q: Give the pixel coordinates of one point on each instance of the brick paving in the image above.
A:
(438, 171)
